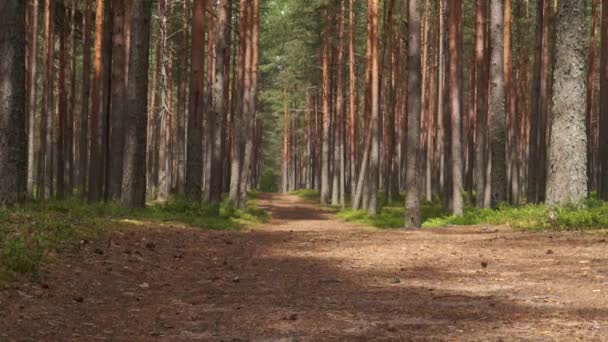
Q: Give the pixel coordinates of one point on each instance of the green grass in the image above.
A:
(307, 194)
(590, 214)
(392, 215)
(30, 231)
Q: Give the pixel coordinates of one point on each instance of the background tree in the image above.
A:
(134, 173)
(119, 75)
(498, 158)
(455, 16)
(412, 199)
(13, 142)
(194, 161)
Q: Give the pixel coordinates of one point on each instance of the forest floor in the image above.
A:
(309, 276)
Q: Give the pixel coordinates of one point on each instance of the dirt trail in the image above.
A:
(308, 276)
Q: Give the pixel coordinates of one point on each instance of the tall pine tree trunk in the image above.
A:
(455, 16)
(590, 108)
(182, 108)
(165, 110)
(498, 157)
(83, 153)
(237, 111)
(32, 126)
(352, 100)
(603, 126)
(412, 199)
(134, 174)
(482, 101)
(219, 109)
(62, 112)
(567, 176)
(338, 196)
(374, 162)
(249, 101)
(13, 142)
(45, 182)
(325, 191)
(194, 161)
(117, 118)
(96, 174)
(71, 118)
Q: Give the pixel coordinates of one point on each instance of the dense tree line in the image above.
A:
(476, 102)
(485, 102)
(129, 100)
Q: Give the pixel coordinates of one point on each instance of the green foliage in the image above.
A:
(28, 232)
(307, 194)
(392, 216)
(269, 182)
(525, 217)
(591, 214)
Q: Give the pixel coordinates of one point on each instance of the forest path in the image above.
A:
(308, 276)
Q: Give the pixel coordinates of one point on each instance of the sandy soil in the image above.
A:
(308, 276)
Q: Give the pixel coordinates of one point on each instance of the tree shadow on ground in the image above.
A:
(185, 285)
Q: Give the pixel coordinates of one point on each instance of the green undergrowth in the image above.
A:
(391, 215)
(590, 214)
(30, 232)
(307, 194)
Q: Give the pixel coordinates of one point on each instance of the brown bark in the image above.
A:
(510, 106)
(286, 135)
(194, 163)
(544, 99)
(338, 197)
(603, 125)
(482, 101)
(455, 16)
(134, 174)
(61, 113)
(534, 148)
(165, 110)
(498, 156)
(219, 103)
(117, 139)
(325, 191)
(71, 113)
(237, 111)
(83, 153)
(45, 183)
(31, 101)
(590, 112)
(250, 98)
(182, 111)
(374, 162)
(95, 174)
(13, 142)
(412, 199)
(352, 101)
(104, 123)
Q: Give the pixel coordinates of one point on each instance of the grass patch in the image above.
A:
(307, 194)
(30, 231)
(590, 214)
(391, 216)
